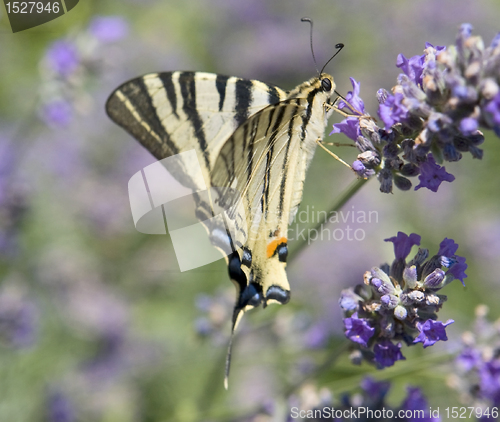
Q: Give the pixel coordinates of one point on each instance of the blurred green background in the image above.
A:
(106, 328)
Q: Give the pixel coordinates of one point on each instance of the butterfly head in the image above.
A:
(320, 87)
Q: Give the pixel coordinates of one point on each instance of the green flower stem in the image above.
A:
(343, 198)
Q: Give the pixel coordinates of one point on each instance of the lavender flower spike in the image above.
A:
(435, 113)
(399, 303)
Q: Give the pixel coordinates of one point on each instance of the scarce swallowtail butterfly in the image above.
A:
(254, 143)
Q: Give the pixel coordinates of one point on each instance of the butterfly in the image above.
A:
(254, 143)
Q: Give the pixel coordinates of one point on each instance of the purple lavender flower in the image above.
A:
(431, 332)
(403, 244)
(108, 28)
(399, 302)
(62, 57)
(358, 330)
(387, 353)
(432, 175)
(448, 247)
(361, 169)
(349, 127)
(393, 111)
(353, 102)
(355, 105)
(412, 67)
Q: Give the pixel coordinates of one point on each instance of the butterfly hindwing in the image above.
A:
(265, 161)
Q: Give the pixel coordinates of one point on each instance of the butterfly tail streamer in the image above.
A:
(228, 361)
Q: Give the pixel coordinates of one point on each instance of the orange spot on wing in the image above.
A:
(271, 247)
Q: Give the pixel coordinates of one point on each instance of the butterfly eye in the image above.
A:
(326, 85)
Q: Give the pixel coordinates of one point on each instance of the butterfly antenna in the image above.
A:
(311, 40)
(339, 47)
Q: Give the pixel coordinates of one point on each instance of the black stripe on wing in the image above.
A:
(221, 84)
(130, 106)
(166, 79)
(269, 157)
(188, 90)
(306, 117)
(285, 163)
(243, 92)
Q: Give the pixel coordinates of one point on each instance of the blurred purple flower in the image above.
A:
(18, 320)
(59, 408)
(109, 360)
(478, 364)
(492, 110)
(372, 400)
(432, 175)
(317, 335)
(469, 358)
(62, 57)
(416, 402)
(378, 389)
(468, 126)
(109, 28)
(431, 332)
(8, 156)
(490, 380)
(387, 353)
(57, 113)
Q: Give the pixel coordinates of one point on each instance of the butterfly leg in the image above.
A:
(338, 144)
(319, 141)
(355, 113)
